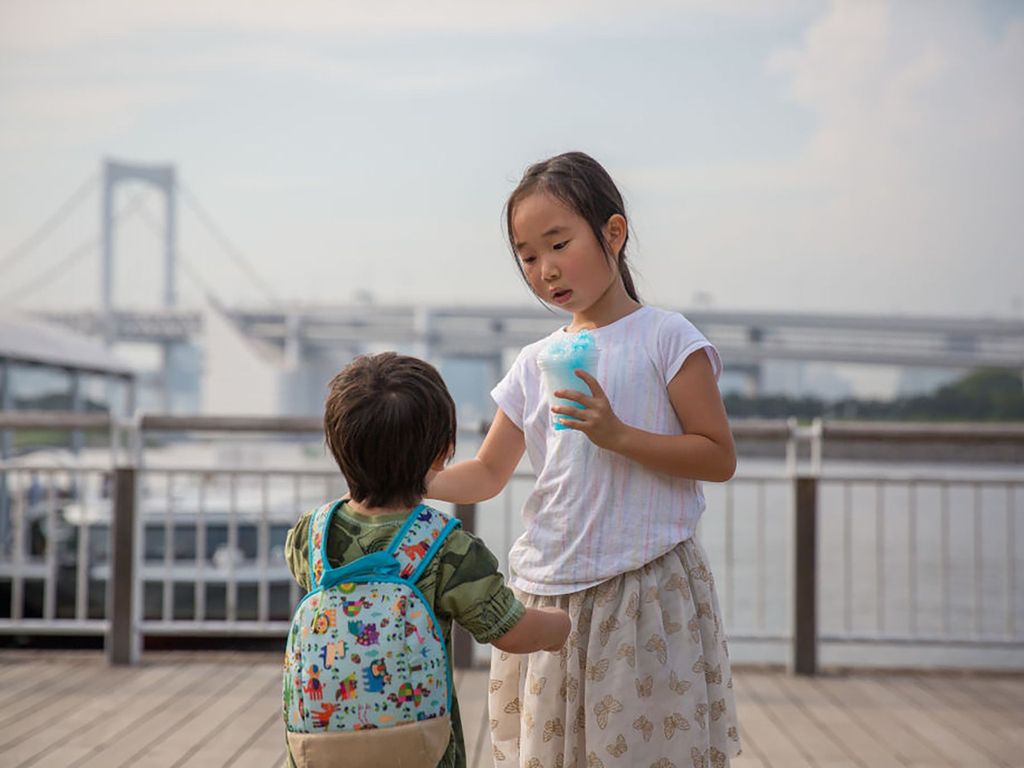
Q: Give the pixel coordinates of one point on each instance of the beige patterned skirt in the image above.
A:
(643, 680)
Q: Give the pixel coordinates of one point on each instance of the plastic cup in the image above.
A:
(558, 364)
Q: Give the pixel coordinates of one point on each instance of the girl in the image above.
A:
(643, 679)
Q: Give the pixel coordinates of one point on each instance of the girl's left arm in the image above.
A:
(705, 452)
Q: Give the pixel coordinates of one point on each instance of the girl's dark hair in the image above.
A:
(580, 183)
(387, 419)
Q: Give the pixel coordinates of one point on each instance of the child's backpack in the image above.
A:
(366, 675)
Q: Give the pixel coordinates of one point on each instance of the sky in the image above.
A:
(796, 155)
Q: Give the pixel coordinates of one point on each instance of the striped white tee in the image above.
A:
(593, 513)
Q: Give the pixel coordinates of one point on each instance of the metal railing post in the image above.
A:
(817, 435)
(6, 444)
(462, 642)
(805, 576)
(122, 643)
(792, 446)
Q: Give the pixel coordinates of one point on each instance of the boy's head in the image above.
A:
(388, 420)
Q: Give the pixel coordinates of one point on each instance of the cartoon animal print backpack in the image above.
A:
(366, 676)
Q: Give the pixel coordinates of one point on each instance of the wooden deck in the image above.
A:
(220, 709)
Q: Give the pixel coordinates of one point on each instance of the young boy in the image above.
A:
(390, 424)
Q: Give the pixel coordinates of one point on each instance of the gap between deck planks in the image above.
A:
(206, 709)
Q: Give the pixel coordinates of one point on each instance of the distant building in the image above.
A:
(48, 368)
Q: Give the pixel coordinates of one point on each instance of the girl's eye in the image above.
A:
(561, 245)
(527, 259)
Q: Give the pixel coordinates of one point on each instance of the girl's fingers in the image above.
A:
(595, 388)
(568, 410)
(571, 394)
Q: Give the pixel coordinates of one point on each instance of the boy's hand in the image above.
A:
(563, 625)
(539, 629)
(595, 419)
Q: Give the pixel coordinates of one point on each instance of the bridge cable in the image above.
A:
(83, 249)
(235, 253)
(50, 225)
(190, 269)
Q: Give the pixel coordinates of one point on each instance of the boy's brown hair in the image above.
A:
(387, 419)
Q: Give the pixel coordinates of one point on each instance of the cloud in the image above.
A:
(54, 24)
(892, 90)
(908, 191)
(76, 115)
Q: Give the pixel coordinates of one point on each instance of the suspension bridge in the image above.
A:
(304, 334)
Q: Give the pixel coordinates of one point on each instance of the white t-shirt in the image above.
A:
(594, 513)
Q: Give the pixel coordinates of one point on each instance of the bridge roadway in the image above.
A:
(744, 338)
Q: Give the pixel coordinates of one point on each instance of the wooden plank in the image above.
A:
(47, 693)
(840, 723)
(748, 710)
(915, 717)
(237, 727)
(757, 731)
(57, 705)
(788, 712)
(981, 705)
(266, 748)
(951, 717)
(471, 686)
(850, 695)
(1012, 689)
(84, 710)
(1011, 693)
(13, 672)
(66, 706)
(761, 724)
(190, 700)
(190, 734)
(192, 710)
(145, 717)
(37, 677)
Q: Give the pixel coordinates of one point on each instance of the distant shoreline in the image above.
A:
(1009, 452)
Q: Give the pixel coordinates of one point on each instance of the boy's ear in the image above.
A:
(442, 459)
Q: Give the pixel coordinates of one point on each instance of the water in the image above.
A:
(944, 587)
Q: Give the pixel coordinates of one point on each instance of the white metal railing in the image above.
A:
(908, 556)
(913, 556)
(44, 564)
(238, 582)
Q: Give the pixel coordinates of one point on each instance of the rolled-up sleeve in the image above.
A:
(295, 545)
(473, 592)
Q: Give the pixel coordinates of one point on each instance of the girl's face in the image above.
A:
(562, 260)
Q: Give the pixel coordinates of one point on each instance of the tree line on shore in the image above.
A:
(984, 394)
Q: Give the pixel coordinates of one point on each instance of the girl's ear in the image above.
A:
(615, 233)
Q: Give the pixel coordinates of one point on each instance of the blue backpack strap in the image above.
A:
(316, 552)
(418, 540)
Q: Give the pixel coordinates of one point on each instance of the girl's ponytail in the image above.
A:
(627, 276)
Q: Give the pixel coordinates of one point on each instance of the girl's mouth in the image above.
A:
(560, 297)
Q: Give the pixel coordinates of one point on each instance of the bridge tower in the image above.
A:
(163, 178)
